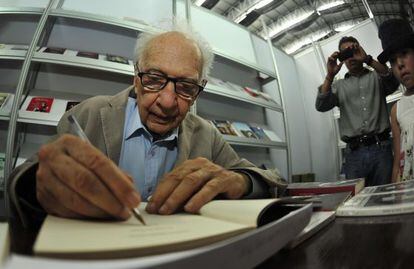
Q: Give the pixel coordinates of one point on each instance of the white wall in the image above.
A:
(323, 139)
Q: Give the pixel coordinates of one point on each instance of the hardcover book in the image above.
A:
(244, 129)
(86, 54)
(225, 127)
(40, 104)
(217, 220)
(310, 188)
(116, 59)
(378, 204)
(55, 50)
(259, 132)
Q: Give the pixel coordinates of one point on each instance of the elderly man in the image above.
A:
(364, 124)
(144, 143)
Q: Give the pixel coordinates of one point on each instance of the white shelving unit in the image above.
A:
(70, 77)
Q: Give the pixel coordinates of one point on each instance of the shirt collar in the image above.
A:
(364, 72)
(135, 126)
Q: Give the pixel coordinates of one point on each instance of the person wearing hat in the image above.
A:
(364, 123)
(397, 40)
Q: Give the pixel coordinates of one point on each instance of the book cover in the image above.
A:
(40, 104)
(378, 204)
(259, 132)
(400, 186)
(71, 104)
(218, 220)
(244, 129)
(55, 50)
(251, 92)
(116, 59)
(310, 188)
(87, 54)
(225, 127)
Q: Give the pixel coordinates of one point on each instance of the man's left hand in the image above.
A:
(193, 184)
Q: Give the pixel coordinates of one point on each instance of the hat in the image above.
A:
(395, 34)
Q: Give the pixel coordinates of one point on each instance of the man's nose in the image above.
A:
(167, 97)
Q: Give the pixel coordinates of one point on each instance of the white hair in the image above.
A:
(185, 29)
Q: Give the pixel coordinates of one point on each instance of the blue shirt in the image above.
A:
(144, 159)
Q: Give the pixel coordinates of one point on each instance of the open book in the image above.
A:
(219, 219)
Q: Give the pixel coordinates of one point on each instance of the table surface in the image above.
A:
(357, 242)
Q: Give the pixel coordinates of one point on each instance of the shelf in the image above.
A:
(241, 95)
(7, 53)
(21, 10)
(128, 23)
(4, 118)
(244, 141)
(69, 58)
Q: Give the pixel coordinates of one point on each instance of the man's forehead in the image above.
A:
(348, 44)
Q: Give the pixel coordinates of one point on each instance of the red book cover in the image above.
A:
(311, 188)
(40, 104)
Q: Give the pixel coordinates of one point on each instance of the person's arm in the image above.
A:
(325, 99)
(396, 132)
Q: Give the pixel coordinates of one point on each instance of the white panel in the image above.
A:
(294, 108)
(226, 38)
(263, 53)
(320, 127)
(24, 3)
(151, 12)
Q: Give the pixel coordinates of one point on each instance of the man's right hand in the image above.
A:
(76, 180)
(332, 65)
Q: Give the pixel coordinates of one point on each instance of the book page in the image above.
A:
(161, 234)
(239, 211)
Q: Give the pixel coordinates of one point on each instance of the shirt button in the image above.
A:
(364, 108)
(363, 97)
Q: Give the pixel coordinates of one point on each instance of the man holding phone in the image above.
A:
(364, 122)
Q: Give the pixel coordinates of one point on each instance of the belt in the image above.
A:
(367, 140)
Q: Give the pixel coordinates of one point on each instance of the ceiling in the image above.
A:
(315, 24)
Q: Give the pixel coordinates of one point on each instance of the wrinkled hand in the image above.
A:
(332, 65)
(193, 184)
(76, 180)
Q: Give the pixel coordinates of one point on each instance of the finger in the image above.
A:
(189, 185)
(65, 198)
(105, 170)
(210, 190)
(82, 181)
(170, 181)
(51, 206)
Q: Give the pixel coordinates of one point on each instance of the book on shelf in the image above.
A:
(6, 101)
(40, 104)
(251, 92)
(310, 188)
(55, 50)
(243, 129)
(216, 221)
(259, 132)
(87, 54)
(379, 203)
(116, 59)
(3, 99)
(71, 104)
(272, 135)
(225, 127)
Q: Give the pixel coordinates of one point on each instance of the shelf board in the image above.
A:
(69, 58)
(242, 96)
(21, 10)
(4, 118)
(9, 54)
(124, 23)
(245, 63)
(250, 142)
(38, 121)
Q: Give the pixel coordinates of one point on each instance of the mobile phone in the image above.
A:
(345, 54)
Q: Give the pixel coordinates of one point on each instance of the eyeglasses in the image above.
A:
(183, 88)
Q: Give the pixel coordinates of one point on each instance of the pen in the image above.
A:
(81, 134)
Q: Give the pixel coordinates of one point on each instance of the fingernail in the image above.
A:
(164, 210)
(151, 208)
(133, 199)
(189, 207)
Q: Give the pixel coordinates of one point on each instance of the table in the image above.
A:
(358, 242)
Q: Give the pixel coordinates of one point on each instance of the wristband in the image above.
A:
(368, 60)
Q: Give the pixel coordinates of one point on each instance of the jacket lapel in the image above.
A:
(184, 140)
(113, 120)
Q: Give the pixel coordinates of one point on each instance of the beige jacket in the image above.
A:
(102, 118)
